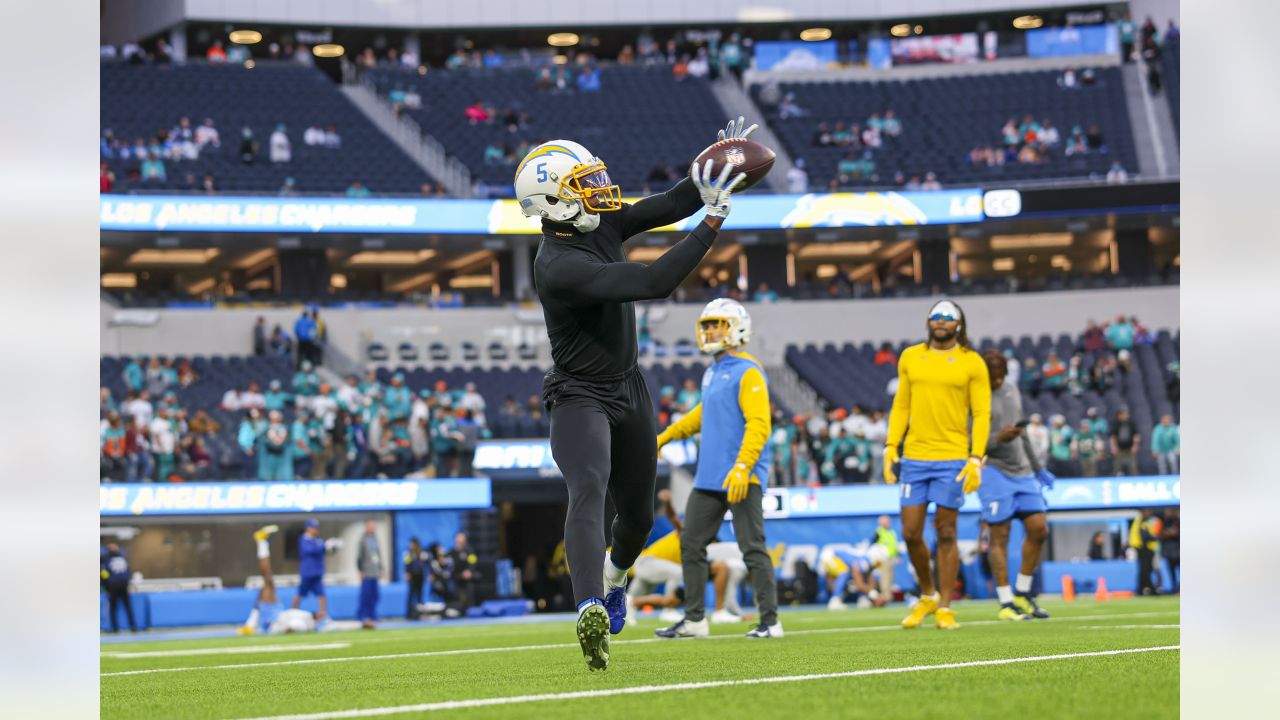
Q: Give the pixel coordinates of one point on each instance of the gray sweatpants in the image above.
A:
(702, 518)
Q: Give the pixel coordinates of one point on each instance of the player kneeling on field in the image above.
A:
(1012, 486)
(841, 568)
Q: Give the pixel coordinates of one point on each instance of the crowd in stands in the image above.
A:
(149, 161)
(362, 429)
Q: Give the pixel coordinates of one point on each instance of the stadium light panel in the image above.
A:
(1028, 22)
(245, 37)
(390, 257)
(328, 50)
(563, 39)
(901, 30)
(1031, 242)
(152, 256)
(464, 282)
(119, 280)
(815, 34)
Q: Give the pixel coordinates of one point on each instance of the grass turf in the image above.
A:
(505, 661)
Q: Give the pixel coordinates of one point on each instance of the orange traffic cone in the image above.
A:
(1068, 589)
(1102, 595)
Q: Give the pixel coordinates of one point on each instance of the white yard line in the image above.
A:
(1130, 627)
(553, 646)
(236, 650)
(646, 689)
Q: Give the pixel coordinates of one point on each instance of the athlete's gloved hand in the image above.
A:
(737, 482)
(734, 131)
(664, 437)
(890, 459)
(1045, 477)
(971, 474)
(715, 193)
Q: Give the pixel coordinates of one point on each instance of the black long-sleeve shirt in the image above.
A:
(587, 287)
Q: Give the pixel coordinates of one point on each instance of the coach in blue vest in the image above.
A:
(733, 467)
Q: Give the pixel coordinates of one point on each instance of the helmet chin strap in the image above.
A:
(585, 221)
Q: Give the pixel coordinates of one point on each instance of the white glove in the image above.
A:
(734, 131)
(715, 193)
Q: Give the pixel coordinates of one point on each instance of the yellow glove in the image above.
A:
(890, 458)
(663, 439)
(971, 474)
(737, 482)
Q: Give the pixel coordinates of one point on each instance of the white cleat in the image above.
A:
(767, 631)
(724, 617)
(835, 603)
(685, 629)
(631, 611)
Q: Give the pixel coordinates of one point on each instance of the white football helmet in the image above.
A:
(729, 315)
(562, 181)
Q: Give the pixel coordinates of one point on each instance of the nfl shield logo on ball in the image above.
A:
(735, 156)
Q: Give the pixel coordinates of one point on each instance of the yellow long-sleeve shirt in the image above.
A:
(753, 400)
(938, 392)
(666, 548)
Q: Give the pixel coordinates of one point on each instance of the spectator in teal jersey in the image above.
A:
(250, 438)
(275, 462)
(1054, 374)
(306, 384)
(444, 442)
(370, 385)
(1166, 445)
(1099, 424)
(134, 378)
(153, 168)
(1029, 378)
(1060, 437)
(170, 372)
(689, 396)
(106, 403)
(784, 434)
(1120, 334)
(300, 442)
(318, 447)
(765, 294)
(1087, 449)
(848, 166)
(444, 398)
(398, 399)
(403, 447)
(275, 399)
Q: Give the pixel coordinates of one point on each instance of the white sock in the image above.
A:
(1005, 594)
(264, 550)
(253, 619)
(1023, 583)
(614, 576)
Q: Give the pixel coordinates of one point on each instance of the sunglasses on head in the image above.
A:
(942, 316)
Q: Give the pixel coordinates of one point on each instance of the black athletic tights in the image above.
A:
(603, 439)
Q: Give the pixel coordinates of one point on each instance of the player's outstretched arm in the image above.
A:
(980, 406)
(685, 427)
(899, 416)
(656, 211)
(584, 281)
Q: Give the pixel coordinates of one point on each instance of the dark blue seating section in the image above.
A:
(641, 116)
(847, 375)
(1171, 62)
(944, 118)
(139, 101)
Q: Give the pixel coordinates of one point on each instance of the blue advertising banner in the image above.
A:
(1076, 40)
(794, 55)
(182, 213)
(522, 459)
(240, 498)
(1076, 494)
(879, 54)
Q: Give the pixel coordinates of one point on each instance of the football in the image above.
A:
(749, 156)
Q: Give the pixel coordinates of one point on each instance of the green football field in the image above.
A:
(1117, 659)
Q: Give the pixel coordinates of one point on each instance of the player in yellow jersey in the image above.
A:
(942, 386)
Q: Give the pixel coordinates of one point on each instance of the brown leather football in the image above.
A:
(749, 156)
